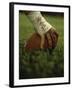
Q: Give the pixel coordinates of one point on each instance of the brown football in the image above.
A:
(34, 41)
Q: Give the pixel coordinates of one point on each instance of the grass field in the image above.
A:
(41, 64)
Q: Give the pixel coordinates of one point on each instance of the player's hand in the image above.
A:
(52, 38)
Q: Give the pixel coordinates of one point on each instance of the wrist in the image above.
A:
(39, 22)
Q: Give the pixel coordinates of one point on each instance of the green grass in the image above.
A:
(25, 27)
(41, 64)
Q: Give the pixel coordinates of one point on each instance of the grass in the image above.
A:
(40, 64)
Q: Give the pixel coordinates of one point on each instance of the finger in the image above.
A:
(49, 40)
(54, 37)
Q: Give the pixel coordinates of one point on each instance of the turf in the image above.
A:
(41, 64)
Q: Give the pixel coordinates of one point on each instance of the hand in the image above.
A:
(52, 38)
